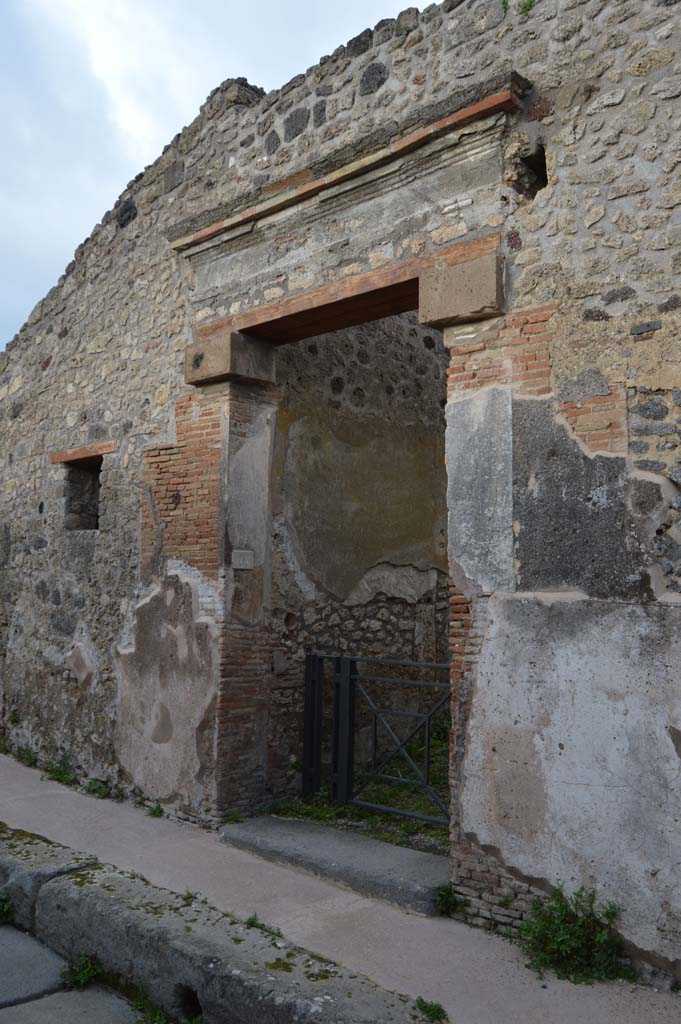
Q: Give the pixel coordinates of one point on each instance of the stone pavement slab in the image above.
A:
(27, 968)
(394, 873)
(479, 978)
(93, 1006)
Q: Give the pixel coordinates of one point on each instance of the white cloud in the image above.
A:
(91, 91)
(136, 55)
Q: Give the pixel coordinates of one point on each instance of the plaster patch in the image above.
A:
(167, 683)
(568, 753)
(401, 581)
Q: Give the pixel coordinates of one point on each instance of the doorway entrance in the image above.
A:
(390, 728)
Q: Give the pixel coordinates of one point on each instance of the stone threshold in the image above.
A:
(408, 878)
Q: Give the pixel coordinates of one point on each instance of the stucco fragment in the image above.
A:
(167, 678)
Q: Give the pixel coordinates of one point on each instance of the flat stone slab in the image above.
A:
(93, 1006)
(369, 866)
(28, 969)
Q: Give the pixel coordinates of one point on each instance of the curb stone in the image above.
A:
(27, 862)
(190, 958)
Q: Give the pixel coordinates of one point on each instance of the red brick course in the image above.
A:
(515, 353)
(184, 483)
(600, 421)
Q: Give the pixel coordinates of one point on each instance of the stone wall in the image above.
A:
(568, 482)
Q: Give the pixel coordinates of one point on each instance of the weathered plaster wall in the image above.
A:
(572, 763)
(167, 669)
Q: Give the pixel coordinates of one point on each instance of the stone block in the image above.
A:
(27, 862)
(463, 292)
(227, 356)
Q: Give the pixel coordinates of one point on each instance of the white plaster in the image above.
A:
(570, 770)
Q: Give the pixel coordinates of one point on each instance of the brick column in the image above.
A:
(246, 659)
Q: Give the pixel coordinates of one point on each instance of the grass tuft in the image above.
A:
(82, 973)
(575, 937)
(254, 922)
(431, 1011)
(26, 756)
(6, 909)
(61, 771)
(447, 902)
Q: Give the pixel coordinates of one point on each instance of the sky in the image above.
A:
(91, 91)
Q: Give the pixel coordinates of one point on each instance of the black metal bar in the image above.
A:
(345, 732)
(402, 714)
(347, 683)
(400, 748)
(440, 704)
(405, 664)
(398, 778)
(312, 725)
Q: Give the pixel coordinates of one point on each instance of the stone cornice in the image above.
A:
(500, 102)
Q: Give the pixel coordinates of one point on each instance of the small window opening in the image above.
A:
(532, 176)
(82, 493)
(188, 1003)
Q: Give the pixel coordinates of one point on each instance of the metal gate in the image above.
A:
(399, 712)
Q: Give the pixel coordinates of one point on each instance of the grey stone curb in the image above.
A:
(27, 862)
(406, 877)
(184, 953)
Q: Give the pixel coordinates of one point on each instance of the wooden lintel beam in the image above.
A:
(86, 451)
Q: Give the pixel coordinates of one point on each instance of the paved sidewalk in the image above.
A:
(479, 978)
(30, 979)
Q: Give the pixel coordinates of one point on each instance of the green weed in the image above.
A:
(446, 900)
(233, 819)
(155, 811)
(98, 788)
(254, 922)
(574, 937)
(81, 973)
(431, 1011)
(6, 909)
(61, 771)
(26, 756)
(280, 965)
